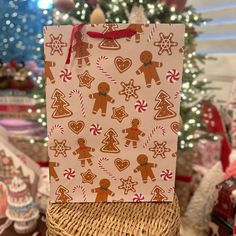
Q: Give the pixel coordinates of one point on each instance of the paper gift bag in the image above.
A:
(113, 94)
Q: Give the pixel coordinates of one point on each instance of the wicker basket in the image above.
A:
(114, 219)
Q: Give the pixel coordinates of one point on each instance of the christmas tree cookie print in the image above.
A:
(109, 44)
(63, 194)
(60, 105)
(110, 142)
(158, 194)
(163, 106)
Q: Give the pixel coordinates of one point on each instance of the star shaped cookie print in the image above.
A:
(119, 113)
(85, 79)
(60, 148)
(88, 176)
(165, 43)
(159, 149)
(127, 185)
(56, 44)
(129, 90)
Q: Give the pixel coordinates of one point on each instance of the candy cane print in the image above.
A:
(55, 127)
(81, 99)
(177, 94)
(152, 32)
(82, 190)
(152, 133)
(102, 69)
(103, 168)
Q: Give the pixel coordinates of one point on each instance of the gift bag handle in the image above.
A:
(116, 34)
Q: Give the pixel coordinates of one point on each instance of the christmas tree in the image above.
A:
(150, 11)
(110, 142)
(20, 206)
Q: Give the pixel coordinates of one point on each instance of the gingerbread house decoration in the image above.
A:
(15, 163)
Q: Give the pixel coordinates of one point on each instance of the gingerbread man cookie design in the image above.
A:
(103, 191)
(83, 152)
(52, 171)
(47, 71)
(148, 68)
(139, 30)
(101, 98)
(133, 133)
(145, 168)
(81, 49)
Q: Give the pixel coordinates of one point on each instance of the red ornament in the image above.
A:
(64, 5)
(92, 2)
(179, 5)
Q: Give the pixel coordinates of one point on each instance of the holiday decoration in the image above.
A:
(214, 124)
(112, 116)
(163, 106)
(3, 200)
(60, 105)
(178, 5)
(64, 5)
(110, 142)
(137, 15)
(21, 207)
(203, 199)
(97, 16)
(14, 163)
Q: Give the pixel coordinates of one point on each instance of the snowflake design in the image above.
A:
(129, 90)
(159, 149)
(165, 44)
(56, 44)
(127, 185)
(60, 148)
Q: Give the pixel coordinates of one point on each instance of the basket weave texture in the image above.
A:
(113, 219)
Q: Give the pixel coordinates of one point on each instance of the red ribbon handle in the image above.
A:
(124, 33)
(75, 28)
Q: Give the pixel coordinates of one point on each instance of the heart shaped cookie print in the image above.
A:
(175, 127)
(121, 164)
(122, 64)
(76, 126)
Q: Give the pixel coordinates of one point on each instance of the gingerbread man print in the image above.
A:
(139, 30)
(52, 171)
(133, 133)
(101, 98)
(103, 191)
(47, 71)
(148, 68)
(145, 168)
(81, 49)
(83, 152)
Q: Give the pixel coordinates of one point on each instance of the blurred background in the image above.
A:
(206, 167)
